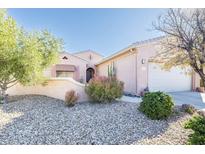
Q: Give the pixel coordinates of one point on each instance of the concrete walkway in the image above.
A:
(194, 98)
(130, 99)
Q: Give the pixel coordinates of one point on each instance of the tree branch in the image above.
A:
(185, 29)
(12, 85)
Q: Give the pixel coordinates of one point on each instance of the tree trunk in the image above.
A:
(4, 95)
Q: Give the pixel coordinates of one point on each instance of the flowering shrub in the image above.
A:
(104, 89)
(71, 98)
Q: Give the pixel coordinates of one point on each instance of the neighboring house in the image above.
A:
(131, 65)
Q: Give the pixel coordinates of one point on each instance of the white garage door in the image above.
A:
(168, 81)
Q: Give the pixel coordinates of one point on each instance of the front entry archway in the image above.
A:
(89, 74)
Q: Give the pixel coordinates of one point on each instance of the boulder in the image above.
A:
(201, 113)
(188, 108)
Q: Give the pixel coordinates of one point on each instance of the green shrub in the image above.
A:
(197, 124)
(104, 89)
(71, 98)
(156, 105)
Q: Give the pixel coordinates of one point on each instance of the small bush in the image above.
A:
(197, 124)
(188, 108)
(157, 105)
(104, 89)
(71, 98)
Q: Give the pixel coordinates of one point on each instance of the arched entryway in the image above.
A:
(89, 74)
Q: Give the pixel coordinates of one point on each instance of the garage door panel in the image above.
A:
(168, 81)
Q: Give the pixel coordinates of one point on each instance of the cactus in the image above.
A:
(111, 70)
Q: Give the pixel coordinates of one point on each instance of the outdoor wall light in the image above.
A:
(143, 61)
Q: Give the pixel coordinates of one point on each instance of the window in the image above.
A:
(64, 74)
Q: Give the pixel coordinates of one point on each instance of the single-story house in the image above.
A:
(131, 65)
(134, 67)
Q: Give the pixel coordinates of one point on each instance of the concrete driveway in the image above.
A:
(194, 98)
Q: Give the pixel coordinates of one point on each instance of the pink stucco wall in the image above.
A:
(80, 61)
(196, 81)
(132, 71)
(80, 66)
(125, 70)
(130, 68)
(144, 52)
(89, 54)
(56, 88)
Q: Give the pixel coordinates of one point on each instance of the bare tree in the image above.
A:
(184, 43)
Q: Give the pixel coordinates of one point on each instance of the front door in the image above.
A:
(89, 74)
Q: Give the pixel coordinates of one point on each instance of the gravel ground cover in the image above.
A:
(44, 120)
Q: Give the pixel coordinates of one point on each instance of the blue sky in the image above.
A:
(103, 30)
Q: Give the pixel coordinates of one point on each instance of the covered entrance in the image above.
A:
(89, 74)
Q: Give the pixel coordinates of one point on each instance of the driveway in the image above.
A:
(194, 98)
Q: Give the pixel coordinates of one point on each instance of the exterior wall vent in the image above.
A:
(65, 58)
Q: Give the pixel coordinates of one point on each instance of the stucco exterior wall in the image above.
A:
(196, 81)
(125, 70)
(145, 52)
(80, 65)
(133, 68)
(56, 88)
(81, 62)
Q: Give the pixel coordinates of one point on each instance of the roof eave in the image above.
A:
(134, 45)
(115, 54)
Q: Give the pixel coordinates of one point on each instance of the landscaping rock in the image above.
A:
(177, 108)
(44, 120)
(175, 134)
(188, 108)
